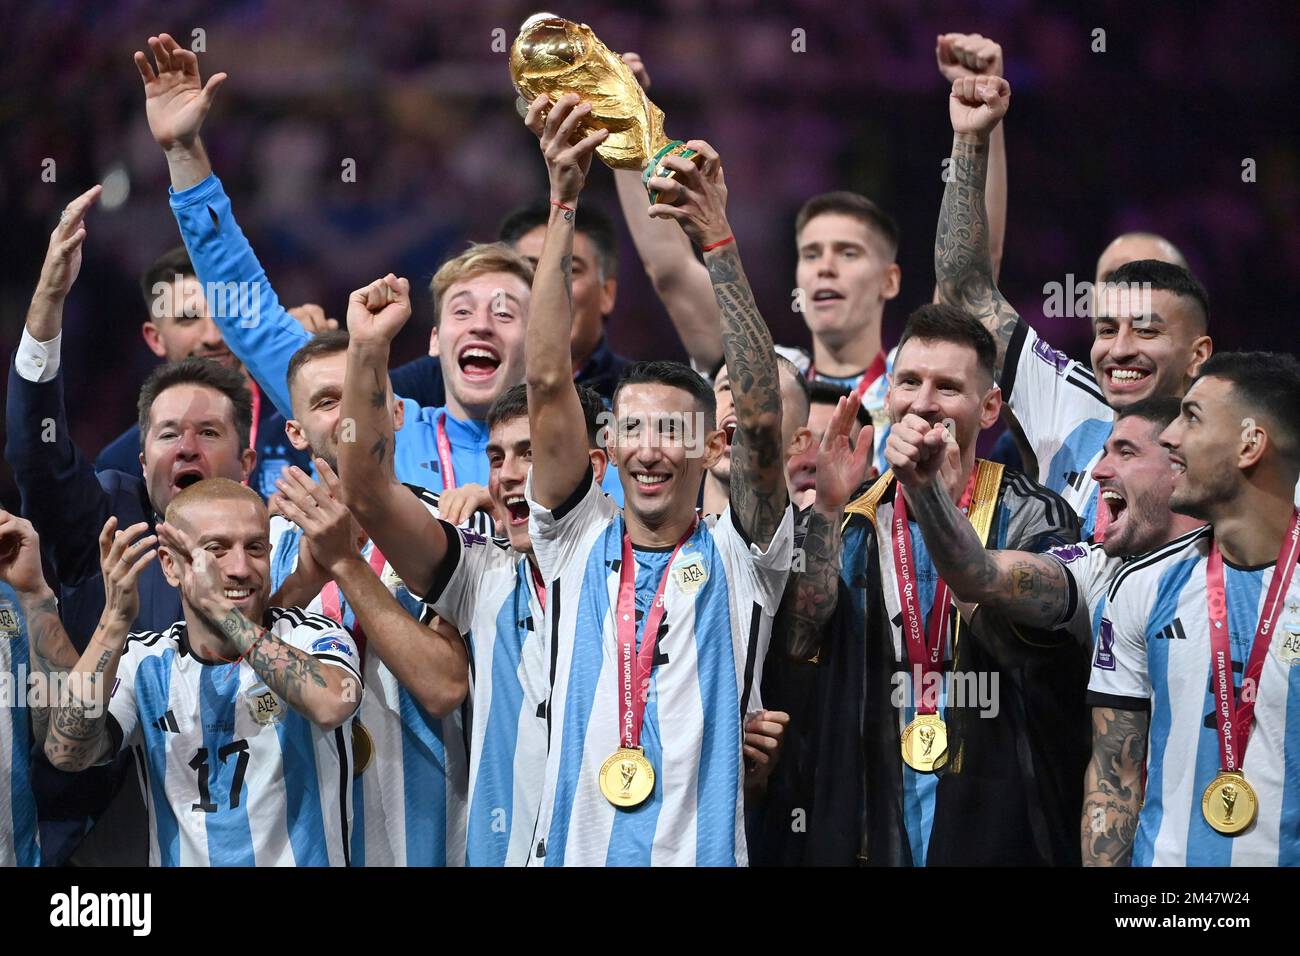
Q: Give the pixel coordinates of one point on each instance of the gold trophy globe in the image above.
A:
(555, 56)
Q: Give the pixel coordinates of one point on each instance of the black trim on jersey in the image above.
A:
(345, 788)
(1152, 557)
(751, 658)
(300, 618)
(339, 660)
(447, 567)
(1011, 360)
(424, 494)
(1088, 384)
(1072, 600)
(576, 496)
(480, 521)
(553, 592)
(1116, 702)
(740, 529)
(1058, 513)
(115, 732)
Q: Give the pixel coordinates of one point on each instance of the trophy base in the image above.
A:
(655, 168)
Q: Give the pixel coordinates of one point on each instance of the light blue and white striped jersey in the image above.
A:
(1153, 651)
(718, 607)
(487, 592)
(18, 838)
(232, 775)
(873, 399)
(1089, 572)
(409, 800)
(1065, 418)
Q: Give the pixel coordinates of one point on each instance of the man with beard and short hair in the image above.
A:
(795, 436)
(1064, 587)
(1194, 666)
(240, 710)
(985, 794)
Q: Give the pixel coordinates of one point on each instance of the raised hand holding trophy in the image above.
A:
(554, 56)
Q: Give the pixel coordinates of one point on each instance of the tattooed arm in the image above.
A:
(698, 197)
(1113, 785)
(556, 422)
(963, 264)
(78, 735)
(813, 591)
(408, 535)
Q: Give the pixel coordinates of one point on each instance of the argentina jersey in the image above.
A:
(1060, 408)
(18, 837)
(1088, 575)
(409, 795)
(719, 600)
(1153, 652)
(489, 594)
(873, 397)
(232, 775)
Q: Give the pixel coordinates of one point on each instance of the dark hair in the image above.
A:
(513, 403)
(1268, 384)
(675, 374)
(784, 364)
(850, 204)
(199, 371)
(1159, 410)
(165, 269)
(933, 322)
(328, 342)
(1164, 277)
(591, 222)
(828, 393)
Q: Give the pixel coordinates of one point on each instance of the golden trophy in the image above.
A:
(555, 56)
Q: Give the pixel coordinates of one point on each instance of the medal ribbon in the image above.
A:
(634, 668)
(539, 586)
(1235, 718)
(922, 652)
(873, 372)
(444, 455)
(332, 603)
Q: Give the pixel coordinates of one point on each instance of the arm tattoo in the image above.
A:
(566, 269)
(758, 491)
(811, 593)
(379, 397)
(379, 449)
(286, 670)
(963, 267)
(1029, 588)
(46, 636)
(78, 732)
(1113, 786)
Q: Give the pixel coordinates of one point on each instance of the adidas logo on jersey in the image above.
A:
(167, 723)
(1172, 632)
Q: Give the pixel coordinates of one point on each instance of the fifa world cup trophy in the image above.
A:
(555, 56)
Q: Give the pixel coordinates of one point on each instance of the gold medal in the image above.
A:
(925, 743)
(363, 748)
(627, 778)
(1229, 803)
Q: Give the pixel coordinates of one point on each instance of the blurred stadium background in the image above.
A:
(1151, 134)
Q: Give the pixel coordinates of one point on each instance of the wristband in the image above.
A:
(714, 245)
(556, 202)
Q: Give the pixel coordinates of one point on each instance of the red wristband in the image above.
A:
(556, 202)
(714, 245)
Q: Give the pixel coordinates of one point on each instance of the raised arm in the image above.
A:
(323, 693)
(60, 493)
(758, 489)
(812, 592)
(963, 263)
(555, 419)
(1112, 788)
(408, 535)
(1028, 588)
(253, 323)
(78, 735)
(432, 665)
(679, 279)
(969, 54)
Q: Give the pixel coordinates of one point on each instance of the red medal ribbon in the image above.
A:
(332, 605)
(1235, 718)
(634, 668)
(539, 586)
(873, 372)
(922, 652)
(444, 455)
